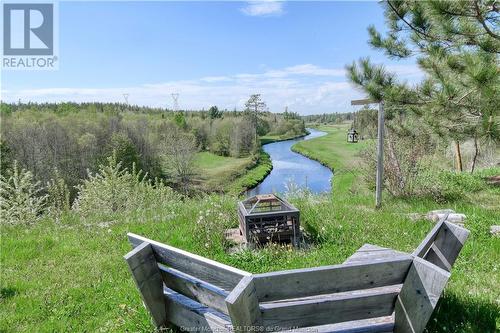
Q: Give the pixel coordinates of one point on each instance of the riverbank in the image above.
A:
(235, 175)
(264, 140)
(334, 152)
(263, 167)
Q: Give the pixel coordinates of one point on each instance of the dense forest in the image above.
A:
(69, 141)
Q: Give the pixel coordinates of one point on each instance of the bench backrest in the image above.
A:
(318, 296)
(443, 244)
(405, 285)
(200, 279)
(428, 276)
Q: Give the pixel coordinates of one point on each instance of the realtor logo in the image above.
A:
(29, 36)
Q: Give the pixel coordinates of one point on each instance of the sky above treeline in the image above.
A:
(210, 53)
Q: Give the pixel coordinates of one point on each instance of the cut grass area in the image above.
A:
(253, 176)
(68, 274)
(332, 150)
(216, 173)
(235, 175)
(229, 174)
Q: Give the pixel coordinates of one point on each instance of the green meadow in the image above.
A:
(67, 273)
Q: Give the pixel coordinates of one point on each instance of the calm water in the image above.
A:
(292, 169)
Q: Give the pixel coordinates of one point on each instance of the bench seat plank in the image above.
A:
(330, 308)
(193, 316)
(331, 279)
(196, 289)
(372, 325)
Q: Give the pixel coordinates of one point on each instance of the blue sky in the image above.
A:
(211, 53)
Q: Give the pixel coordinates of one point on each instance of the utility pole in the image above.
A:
(380, 147)
(175, 98)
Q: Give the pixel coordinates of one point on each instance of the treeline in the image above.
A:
(329, 118)
(68, 141)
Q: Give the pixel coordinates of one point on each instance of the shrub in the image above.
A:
(22, 201)
(58, 195)
(125, 151)
(445, 186)
(114, 189)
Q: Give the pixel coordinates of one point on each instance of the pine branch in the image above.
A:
(483, 23)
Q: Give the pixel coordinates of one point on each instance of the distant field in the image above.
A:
(333, 150)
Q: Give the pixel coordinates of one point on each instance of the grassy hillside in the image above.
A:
(67, 273)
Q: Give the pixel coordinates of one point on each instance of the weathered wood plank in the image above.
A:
(196, 289)
(331, 308)
(450, 240)
(419, 296)
(191, 316)
(147, 277)
(213, 272)
(331, 279)
(373, 253)
(443, 244)
(426, 244)
(243, 306)
(372, 325)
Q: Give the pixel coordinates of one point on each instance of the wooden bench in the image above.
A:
(375, 290)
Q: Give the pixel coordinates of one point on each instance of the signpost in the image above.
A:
(380, 147)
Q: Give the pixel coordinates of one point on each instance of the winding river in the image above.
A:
(292, 170)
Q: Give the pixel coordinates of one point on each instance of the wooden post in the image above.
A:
(458, 156)
(380, 156)
(243, 307)
(380, 147)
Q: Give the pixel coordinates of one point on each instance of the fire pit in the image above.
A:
(267, 217)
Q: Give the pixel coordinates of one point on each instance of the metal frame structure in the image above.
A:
(267, 217)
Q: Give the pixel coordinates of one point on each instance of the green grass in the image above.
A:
(234, 175)
(332, 150)
(254, 175)
(217, 173)
(471, 302)
(68, 274)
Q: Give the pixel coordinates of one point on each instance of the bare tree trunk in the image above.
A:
(476, 153)
(458, 156)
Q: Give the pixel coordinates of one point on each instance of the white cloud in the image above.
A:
(304, 88)
(263, 8)
(215, 79)
(309, 69)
